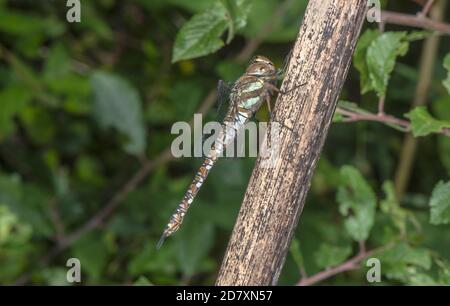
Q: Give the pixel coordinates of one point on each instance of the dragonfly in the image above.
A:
(248, 93)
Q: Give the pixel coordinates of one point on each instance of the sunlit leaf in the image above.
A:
(447, 66)
(440, 204)
(407, 264)
(201, 35)
(357, 203)
(381, 56)
(360, 55)
(422, 123)
(26, 201)
(329, 255)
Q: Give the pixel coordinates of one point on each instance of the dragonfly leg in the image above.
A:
(272, 87)
(268, 103)
(284, 92)
(273, 119)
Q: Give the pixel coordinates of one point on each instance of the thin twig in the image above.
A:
(427, 60)
(381, 106)
(405, 125)
(350, 116)
(349, 265)
(426, 9)
(414, 21)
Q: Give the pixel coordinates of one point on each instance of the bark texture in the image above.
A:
(275, 196)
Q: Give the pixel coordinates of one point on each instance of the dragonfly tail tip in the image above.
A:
(161, 241)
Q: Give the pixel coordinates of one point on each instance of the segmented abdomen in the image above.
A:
(229, 129)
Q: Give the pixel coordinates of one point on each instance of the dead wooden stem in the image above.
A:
(275, 195)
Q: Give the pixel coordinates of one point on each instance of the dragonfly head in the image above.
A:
(261, 66)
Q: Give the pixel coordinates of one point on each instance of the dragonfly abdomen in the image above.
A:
(202, 173)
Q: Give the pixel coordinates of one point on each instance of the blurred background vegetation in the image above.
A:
(85, 116)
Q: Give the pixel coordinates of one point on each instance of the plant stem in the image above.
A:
(428, 57)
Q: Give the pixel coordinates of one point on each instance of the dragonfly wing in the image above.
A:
(282, 71)
(223, 98)
(222, 103)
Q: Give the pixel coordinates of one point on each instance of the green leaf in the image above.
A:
(242, 10)
(284, 28)
(201, 35)
(92, 251)
(418, 35)
(381, 56)
(16, 23)
(403, 254)
(329, 255)
(55, 276)
(441, 107)
(391, 206)
(150, 260)
(297, 254)
(58, 63)
(357, 202)
(15, 245)
(444, 271)
(142, 281)
(39, 124)
(13, 99)
(359, 58)
(29, 78)
(407, 264)
(440, 204)
(117, 104)
(12, 231)
(446, 82)
(26, 201)
(422, 123)
(192, 245)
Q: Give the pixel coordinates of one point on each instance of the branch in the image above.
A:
(349, 265)
(353, 263)
(426, 9)
(404, 125)
(430, 50)
(417, 21)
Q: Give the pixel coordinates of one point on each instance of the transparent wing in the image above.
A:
(223, 98)
(221, 106)
(282, 71)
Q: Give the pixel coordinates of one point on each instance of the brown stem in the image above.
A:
(349, 265)
(426, 8)
(383, 118)
(414, 21)
(428, 57)
(381, 106)
(350, 116)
